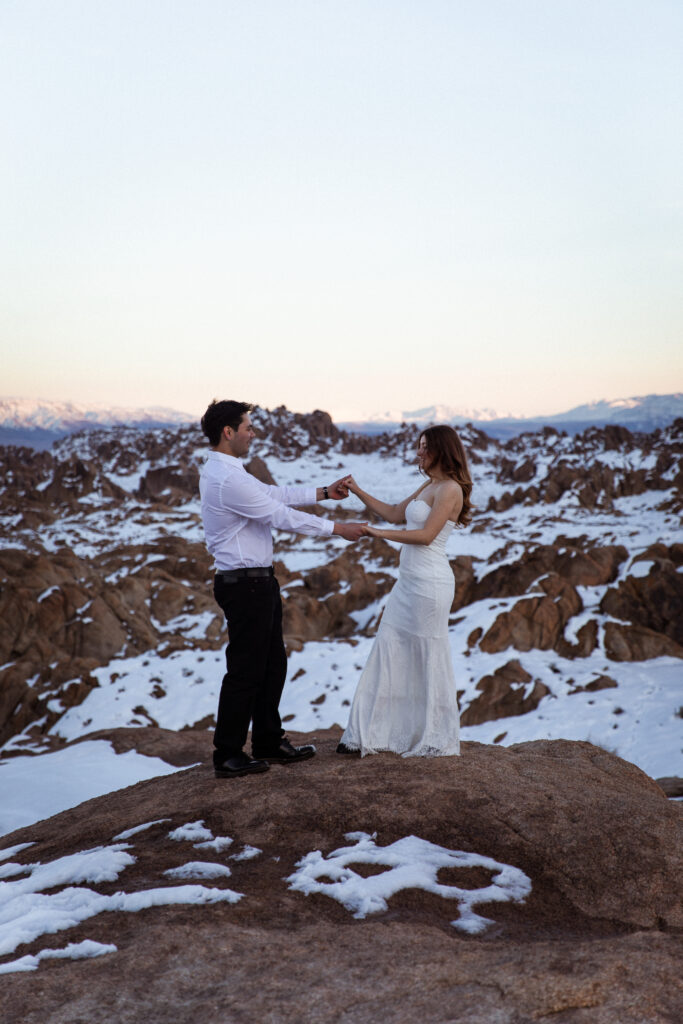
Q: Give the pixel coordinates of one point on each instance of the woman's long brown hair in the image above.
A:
(447, 454)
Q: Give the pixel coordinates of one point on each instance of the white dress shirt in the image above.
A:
(238, 513)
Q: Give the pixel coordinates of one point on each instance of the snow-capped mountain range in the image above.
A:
(27, 413)
(640, 413)
(38, 423)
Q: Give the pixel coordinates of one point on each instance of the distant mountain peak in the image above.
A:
(65, 417)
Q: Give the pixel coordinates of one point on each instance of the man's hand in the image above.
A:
(337, 491)
(349, 531)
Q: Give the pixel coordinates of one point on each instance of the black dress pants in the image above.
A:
(256, 663)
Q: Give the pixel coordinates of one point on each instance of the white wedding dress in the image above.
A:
(406, 698)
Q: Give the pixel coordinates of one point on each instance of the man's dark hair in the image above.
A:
(223, 414)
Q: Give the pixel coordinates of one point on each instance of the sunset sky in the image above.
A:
(356, 206)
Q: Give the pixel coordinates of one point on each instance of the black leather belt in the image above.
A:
(232, 575)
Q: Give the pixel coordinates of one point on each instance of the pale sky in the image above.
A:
(355, 206)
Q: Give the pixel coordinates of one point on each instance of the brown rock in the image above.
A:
(323, 606)
(258, 468)
(654, 601)
(535, 621)
(672, 785)
(170, 485)
(598, 839)
(586, 567)
(503, 694)
(636, 643)
(586, 642)
(463, 572)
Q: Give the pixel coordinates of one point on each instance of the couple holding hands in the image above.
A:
(406, 698)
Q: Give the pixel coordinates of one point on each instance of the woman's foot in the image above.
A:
(343, 749)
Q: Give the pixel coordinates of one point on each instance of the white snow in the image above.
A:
(29, 908)
(411, 863)
(247, 853)
(192, 832)
(74, 951)
(10, 851)
(130, 832)
(199, 869)
(41, 785)
(218, 845)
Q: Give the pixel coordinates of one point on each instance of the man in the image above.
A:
(239, 513)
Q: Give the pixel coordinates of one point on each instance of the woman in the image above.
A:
(406, 698)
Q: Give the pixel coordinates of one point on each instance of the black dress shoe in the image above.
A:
(286, 753)
(240, 764)
(343, 749)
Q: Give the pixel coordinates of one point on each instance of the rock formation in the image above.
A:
(597, 938)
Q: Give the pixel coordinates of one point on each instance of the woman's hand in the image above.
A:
(351, 484)
(338, 490)
(371, 531)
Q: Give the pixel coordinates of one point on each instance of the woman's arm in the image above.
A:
(392, 513)
(447, 504)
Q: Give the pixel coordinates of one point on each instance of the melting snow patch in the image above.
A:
(247, 853)
(411, 863)
(11, 850)
(74, 951)
(140, 828)
(192, 832)
(218, 844)
(199, 869)
(28, 909)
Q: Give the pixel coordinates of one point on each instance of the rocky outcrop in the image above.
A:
(597, 939)
(170, 485)
(505, 693)
(322, 605)
(61, 617)
(653, 602)
(259, 469)
(589, 566)
(637, 643)
(535, 621)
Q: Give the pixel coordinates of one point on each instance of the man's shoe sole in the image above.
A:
(247, 770)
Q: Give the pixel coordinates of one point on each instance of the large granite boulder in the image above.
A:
(597, 940)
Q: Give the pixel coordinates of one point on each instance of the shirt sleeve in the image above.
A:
(293, 495)
(247, 497)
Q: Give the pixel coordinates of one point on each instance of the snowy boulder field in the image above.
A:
(537, 875)
(567, 621)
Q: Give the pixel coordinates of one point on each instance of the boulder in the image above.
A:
(581, 566)
(258, 468)
(170, 485)
(534, 621)
(637, 643)
(654, 601)
(597, 939)
(503, 694)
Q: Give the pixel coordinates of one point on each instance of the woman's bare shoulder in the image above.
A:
(449, 488)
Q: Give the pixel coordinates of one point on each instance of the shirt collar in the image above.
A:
(231, 460)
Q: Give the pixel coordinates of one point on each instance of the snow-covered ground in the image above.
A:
(37, 787)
